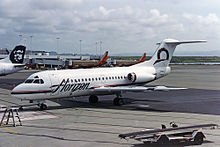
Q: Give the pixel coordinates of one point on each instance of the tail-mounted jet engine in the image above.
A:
(140, 77)
(132, 77)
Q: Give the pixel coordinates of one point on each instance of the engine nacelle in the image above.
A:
(140, 77)
(132, 77)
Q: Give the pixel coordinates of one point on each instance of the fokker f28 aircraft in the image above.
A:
(55, 84)
(13, 62)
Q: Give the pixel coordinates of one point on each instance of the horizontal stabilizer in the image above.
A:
(177, 42)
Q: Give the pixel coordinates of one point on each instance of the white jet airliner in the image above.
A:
(13, 62)
(55, 84)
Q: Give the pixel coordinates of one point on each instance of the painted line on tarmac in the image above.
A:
(9, 102)
(9, 130)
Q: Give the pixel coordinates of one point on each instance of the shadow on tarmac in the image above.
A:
(183, 144)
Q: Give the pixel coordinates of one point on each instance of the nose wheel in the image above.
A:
(93, 99)
(40, 103)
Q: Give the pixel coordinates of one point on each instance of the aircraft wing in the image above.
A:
(134, 89)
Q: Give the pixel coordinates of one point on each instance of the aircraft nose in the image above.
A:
(17, 91)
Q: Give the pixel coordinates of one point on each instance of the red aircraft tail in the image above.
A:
(143, 58)
(104, 59)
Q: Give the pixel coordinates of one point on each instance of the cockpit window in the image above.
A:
(29, 81)
(41, 81)
(37, 81)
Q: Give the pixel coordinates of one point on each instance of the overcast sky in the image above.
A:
(123, 26)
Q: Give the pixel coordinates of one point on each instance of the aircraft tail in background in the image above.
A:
(16, 56)
(104, 59)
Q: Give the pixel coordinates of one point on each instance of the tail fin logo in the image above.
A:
(17, 55)
(162, 55)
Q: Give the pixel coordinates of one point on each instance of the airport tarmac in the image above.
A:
(74, 122)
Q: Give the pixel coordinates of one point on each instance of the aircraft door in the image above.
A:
(54, 84)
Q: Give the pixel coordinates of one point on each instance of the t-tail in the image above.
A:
(163, 55)
(16, 56)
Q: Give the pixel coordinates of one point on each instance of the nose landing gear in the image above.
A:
(40, 103)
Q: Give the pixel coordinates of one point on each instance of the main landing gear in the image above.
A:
(40, 103)
(118, 101)
(42, 106)
(93, 99)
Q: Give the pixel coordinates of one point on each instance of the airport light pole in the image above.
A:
(80, 41)
(100, 48)
(96, 47)
(31, 44)
(20, 38)
(57, 43)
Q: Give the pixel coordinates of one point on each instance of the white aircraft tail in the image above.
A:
(164, 52)
(16, 56)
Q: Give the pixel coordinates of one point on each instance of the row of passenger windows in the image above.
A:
(40, 81)
(98, 79)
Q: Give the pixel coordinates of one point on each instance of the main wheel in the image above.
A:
(198, 139)
(43, 106)
(93, 99)
(21, 108)
(118, 101)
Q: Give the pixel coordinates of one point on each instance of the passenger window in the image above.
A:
(89, 79)
(92, 79)
(75, 80)
(121, 77)
(82, 80)
(110, 78)
(113, 78)
(99, 78)
(85, 79)
(29, 81)
(106, 78)
(78, 80)
(96, 79)
(103, 78)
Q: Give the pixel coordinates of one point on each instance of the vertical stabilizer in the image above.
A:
(104, 59)
(164, 52)
(16, 56)
(143, 58)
